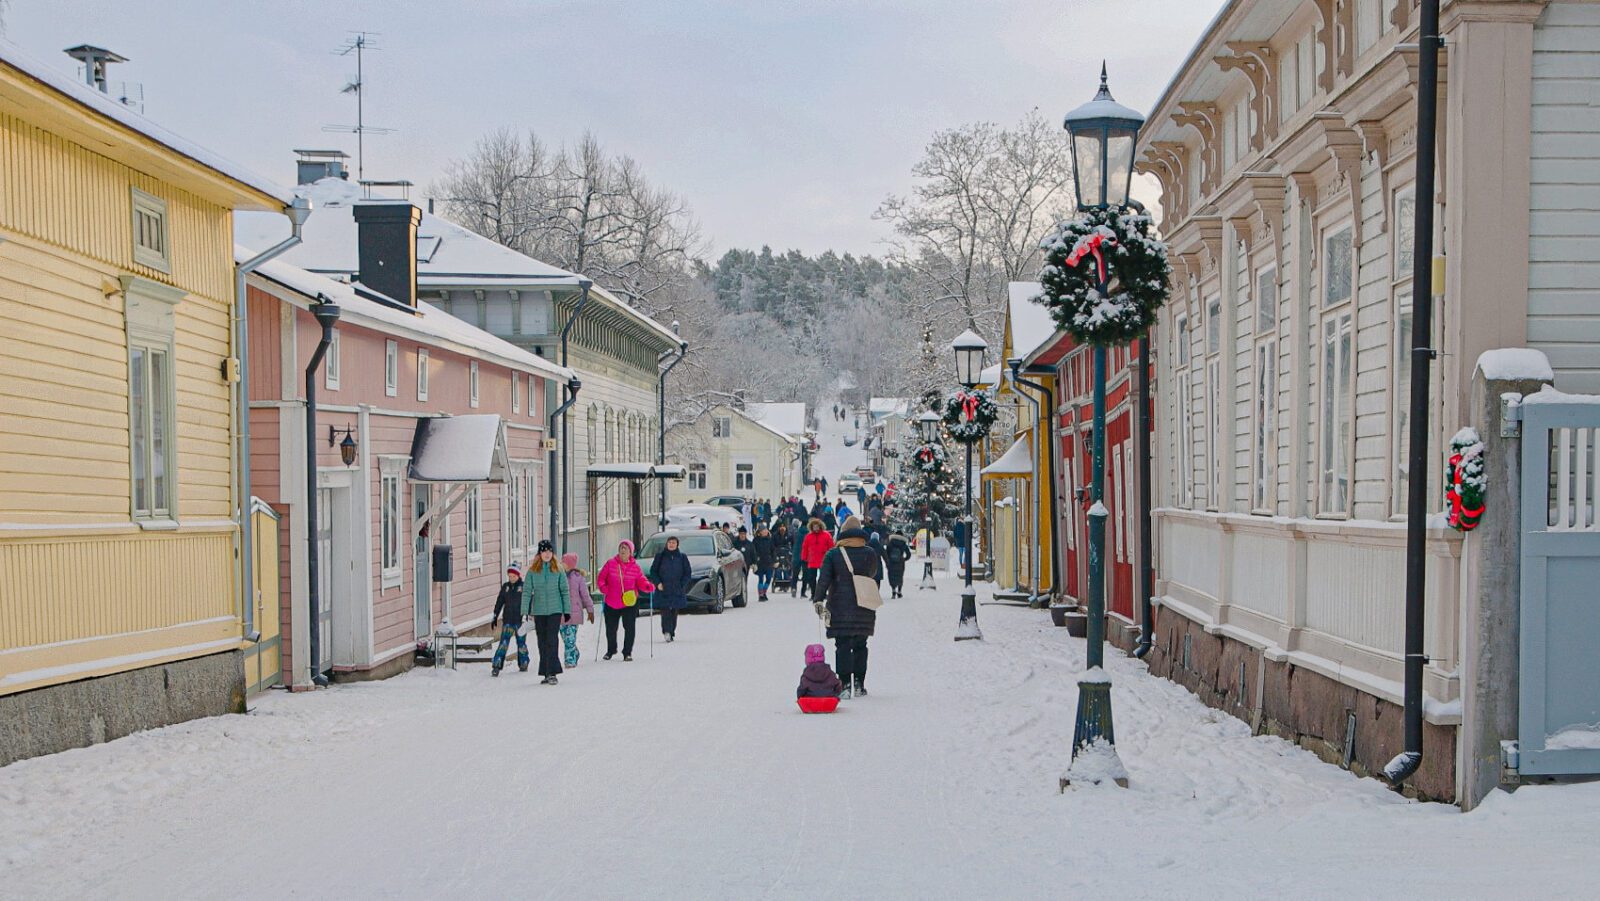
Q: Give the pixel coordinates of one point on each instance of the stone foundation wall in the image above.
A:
(78, 714)
(1297, 704)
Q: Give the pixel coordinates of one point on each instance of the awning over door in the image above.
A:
(459, 449)
(636, 471)
(1016, 461)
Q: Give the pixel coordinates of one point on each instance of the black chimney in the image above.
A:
(387, 247)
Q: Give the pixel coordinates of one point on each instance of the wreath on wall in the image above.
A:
(1464, 481)
(929, 459)
(969, 415)
(1112, 246)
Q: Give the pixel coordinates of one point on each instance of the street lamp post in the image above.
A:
(928, 429)
(1103, 136)
(969, 349)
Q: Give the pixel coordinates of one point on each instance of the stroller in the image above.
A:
(783, 568)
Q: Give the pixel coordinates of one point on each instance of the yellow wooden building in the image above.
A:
(119, 501)
(1017, 493)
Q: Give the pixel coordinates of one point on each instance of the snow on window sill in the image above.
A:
(159, 524)
(390, 579)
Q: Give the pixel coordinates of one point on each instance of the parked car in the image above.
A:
(727, 500)
(717, 567)
(688, 516)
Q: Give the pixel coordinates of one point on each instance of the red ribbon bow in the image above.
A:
(969, 407)
(1091, 244)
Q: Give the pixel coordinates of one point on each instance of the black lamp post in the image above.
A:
(1104, 134)
(969, 348)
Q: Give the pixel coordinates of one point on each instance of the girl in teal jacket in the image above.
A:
(546, 599)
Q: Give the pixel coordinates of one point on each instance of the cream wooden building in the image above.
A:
(119, 502)
(728, 452)
(1285, 148)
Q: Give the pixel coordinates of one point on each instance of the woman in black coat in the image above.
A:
(672, 574)
(849, 624)
(764, 549)
(895, 554)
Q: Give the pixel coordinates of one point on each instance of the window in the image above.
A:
(391, 368)
(1116, 496)
(697, 477)
(391, 505)
(1336, 435)
(1405, 233)
(472, 385)
(516, 392)
(1214, 461)
(150, 315)
(592, 432)
(475, 527)
(1181, 339)
(722, 427)
(1265, 457)
(516, 485)
(1338, 267)
(1213, 324)
(1266, 300)
(744, 476)
(1185, 440)
(1399, 402)
(422, 374)
(150, 247)
(330, 363)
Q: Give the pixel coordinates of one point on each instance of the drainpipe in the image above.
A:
(1147, 563)
(298, 212)
(564, 448)
(573, 384)
(661, 422)
(1049, 396)
(1406, 763)
(327, 314)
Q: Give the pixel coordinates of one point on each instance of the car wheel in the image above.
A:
(719, 594)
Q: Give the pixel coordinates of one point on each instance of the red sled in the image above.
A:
(818, 705)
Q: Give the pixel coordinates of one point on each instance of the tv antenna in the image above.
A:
(358, 43)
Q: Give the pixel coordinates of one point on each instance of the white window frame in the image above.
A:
(145, 206)
(697, 477)
(1186, 438)
(1213, 408)
(1264, 434)
(1325, 261)
(423, 376)
(150, 315)
(472, 385)
(392, 522)
(722, 426)
(1336, 408)
(391, 368)
(1267, 310)
(744, 477)
(330, 362)
(475, 527)
(1214, 313)
(516, 392)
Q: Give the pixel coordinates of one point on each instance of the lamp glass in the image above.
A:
(1086, 167)
(1119, 164)
(969, 365)
(347, 450)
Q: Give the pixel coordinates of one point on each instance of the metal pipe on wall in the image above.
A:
(327, 314)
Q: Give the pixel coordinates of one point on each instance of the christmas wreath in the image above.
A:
(969, 415)
(1111, 246)
(1464, 481)
(929, 458)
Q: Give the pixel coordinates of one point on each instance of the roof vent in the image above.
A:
(315, 165)
(95, 60)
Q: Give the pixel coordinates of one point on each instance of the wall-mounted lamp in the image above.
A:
(347, 447)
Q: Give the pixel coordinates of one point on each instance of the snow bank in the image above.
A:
(1583, 737)
(1515, 363)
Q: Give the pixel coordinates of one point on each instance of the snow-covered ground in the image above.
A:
(690, 774)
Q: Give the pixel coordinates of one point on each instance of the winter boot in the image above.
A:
(844, 693)
(860, 690)
(495, 671)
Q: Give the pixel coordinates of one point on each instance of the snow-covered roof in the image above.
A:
(66, 84)
(458, 449)
(787, 419)
(636, 471)
(1016, 461)
(428, 324)
(990, 378)
(879, 408)
(1031, 322)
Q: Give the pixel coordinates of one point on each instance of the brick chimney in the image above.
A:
(387, 248)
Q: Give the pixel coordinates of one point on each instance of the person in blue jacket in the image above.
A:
(672, 575)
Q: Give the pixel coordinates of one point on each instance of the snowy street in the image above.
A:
(692, 775)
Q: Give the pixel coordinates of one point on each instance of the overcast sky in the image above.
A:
(783, 122)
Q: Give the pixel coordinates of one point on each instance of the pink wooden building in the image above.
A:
(394, 361)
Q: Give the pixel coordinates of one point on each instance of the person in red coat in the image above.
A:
(816, 545)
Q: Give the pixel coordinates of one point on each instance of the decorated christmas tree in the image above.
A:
(932, 487)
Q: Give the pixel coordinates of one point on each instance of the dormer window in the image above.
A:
(150, 244)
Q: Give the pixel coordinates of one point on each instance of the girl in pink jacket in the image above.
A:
(582, 605)
(619, 575)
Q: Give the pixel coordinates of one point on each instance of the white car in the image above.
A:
(849, 483)
(688, 516)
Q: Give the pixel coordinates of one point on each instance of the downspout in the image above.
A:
(327, 314)
(1147, 563)
(297, 211)
(564, 448)
(573, 384)
(1407, 761)
(1049, 395)
(661, 424)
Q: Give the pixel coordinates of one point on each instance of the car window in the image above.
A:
(693, 545)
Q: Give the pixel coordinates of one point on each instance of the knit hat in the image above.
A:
(625, 543)
(515, 569)
(570, 561)
(850, 522)
(546, 545)
(816, 653)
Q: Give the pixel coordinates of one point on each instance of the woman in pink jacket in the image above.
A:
(619, 575)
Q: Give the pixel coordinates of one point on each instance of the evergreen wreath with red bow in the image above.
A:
(929, 459)
(969, 415)
(1464, 481)
(1111, 245)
